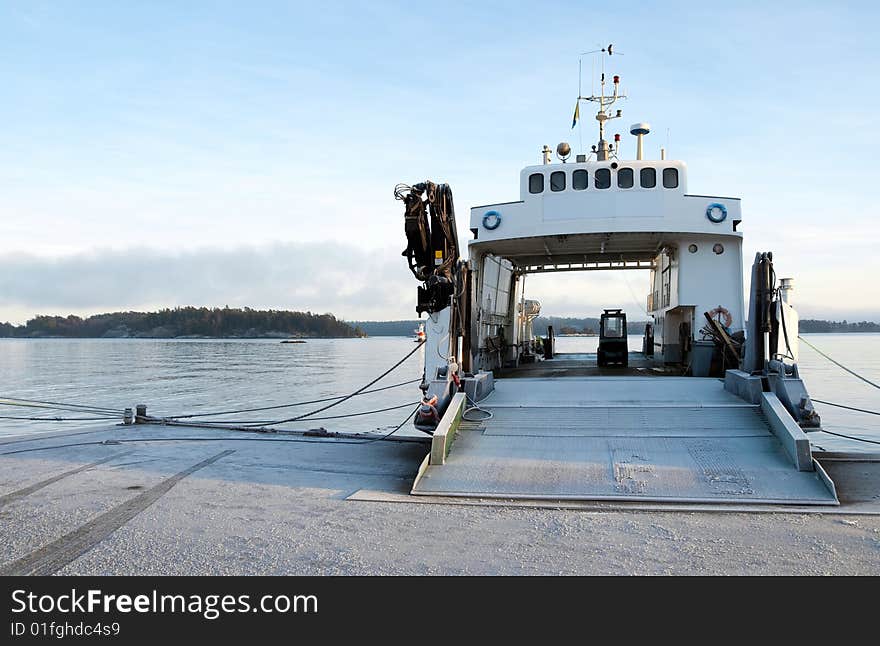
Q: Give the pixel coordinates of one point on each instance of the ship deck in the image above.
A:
(564, 429)
(571, 364)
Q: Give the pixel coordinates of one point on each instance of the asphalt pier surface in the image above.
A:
(240, 503)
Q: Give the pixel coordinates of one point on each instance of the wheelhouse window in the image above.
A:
(648, 177)
(670, 178)
(613, 327)
(536, 183)
(625, 178)
(557, 181)
(579, 180)
(602, 178)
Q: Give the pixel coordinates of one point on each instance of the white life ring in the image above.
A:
(716, 212)
(724, 313)
(491, 220)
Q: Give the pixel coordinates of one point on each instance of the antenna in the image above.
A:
(605, 101)
(580, 125)
(580, 60)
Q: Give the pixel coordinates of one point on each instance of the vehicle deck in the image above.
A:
(676, 439)
(584, 365)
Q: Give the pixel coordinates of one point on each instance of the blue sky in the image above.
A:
(218, 153)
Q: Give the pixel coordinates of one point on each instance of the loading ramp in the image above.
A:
(674, 439)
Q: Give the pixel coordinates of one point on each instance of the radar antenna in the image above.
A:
(605, 101)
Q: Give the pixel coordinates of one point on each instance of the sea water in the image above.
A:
(193, 376)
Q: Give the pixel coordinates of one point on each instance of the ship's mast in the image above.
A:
(605, 101)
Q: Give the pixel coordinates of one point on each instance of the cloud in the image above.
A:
(351, 282)
(320, 277)
(354, 282)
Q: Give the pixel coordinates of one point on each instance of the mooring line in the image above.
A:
(356, 392)
(38, 403)
(840, 365)
(291, 405)
(858, 410)
(100, 414)
(54, 556)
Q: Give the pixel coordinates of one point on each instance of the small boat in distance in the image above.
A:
(420, 333)
(293, 341)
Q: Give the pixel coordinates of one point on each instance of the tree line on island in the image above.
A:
(186, 322)
(249, 323)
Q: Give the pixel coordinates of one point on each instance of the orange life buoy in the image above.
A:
(726, 318)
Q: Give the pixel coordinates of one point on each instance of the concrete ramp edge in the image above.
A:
(444, 434)
(792, 437)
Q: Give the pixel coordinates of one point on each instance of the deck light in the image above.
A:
(563, 151)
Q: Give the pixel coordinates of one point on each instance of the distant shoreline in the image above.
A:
(186, 322)
(246, 323)
(318, 338)
(179, 338)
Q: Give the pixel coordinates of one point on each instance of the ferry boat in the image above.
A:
(713, 407)
(511, 422)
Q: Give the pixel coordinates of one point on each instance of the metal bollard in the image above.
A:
(140, 414)
(127, 417)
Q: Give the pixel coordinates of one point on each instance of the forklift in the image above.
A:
(612, 339)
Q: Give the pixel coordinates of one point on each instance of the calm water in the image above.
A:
(190, 376)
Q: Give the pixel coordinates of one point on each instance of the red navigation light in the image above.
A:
(616, 80)
(616, 137)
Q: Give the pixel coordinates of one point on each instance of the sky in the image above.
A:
(155, 154)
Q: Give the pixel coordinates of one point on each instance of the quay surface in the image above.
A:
(239, 503)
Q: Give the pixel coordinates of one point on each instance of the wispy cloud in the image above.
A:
(321, 277)
(347, 280)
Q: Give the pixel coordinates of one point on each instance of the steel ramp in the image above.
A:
(647, 439)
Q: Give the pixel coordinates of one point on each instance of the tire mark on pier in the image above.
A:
(51, 558)
(26, 491)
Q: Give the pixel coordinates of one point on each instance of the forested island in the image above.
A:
(192, 322)
(818, 326)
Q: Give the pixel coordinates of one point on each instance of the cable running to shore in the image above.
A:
(840, 365)
(291, 405)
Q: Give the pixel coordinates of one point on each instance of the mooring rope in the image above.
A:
(301, 440)
(356, 392)
(291, 405)
(29, 403)
(860, 410)
(176, 421)
(59, 419)
(303, 437)
(848, 437)
(101, 413)
(840, 365)
(54, 403)
(475, 407)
